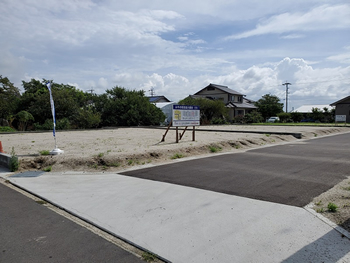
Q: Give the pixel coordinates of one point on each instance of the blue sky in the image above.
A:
(179, 47)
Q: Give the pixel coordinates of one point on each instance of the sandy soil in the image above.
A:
(123, 148)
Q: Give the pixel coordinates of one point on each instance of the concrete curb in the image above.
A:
(341, 230)
(5, 160)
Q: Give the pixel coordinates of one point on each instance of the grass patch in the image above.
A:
(130, 162)
(41, 202)
(215, 149)
(267, 134)
(44, 152)
(114, 164)
(332, 207)
(48, 169)
(100, 155)
(6, 129)
(177, 156)
(148, 257)
(320, 210)
(319, 203)
(14, 163)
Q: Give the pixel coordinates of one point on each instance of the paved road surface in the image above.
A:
(30, 232)
(187, 224)
(291, 174)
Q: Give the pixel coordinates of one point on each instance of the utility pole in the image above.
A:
(91, 90)
(152, 92)
(286, 84)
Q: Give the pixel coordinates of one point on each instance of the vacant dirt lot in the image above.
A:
(116, 149)
(122, 148)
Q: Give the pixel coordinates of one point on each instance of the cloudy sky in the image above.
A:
(179, 47)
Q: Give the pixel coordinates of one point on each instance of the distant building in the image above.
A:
(308, 108)
(342, 107)
(167, 109)
(236, 102)
(156, 99)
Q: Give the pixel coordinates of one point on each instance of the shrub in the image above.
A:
(284, 117)
(44, 152)
(215, 149)
(6, 129)
(253, 117)
(14, 164)
(332, 207)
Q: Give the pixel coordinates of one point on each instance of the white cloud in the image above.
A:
(292, 36)
(320, 18)
(341, 58)
(177, 47)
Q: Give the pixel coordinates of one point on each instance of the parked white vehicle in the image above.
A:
(273, 119)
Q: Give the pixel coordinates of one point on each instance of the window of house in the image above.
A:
(210, 88)
(240, 98)
(232, 98)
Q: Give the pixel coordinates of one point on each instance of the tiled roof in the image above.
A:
(222, 88)
(157, 98)
(241, 105)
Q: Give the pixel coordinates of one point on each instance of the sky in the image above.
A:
(179, 47)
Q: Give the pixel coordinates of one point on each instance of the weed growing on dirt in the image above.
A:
(148, 257)
(130, 162)
(319, 203)
(100, 155)
(320, 210)
(215, 149)
(48, 169)
(114, 164)
(14, 163)
(267, 134)
(44, 152)
(177, 156)
(41, 202)
(332, 207)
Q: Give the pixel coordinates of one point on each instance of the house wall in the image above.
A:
(343, 109)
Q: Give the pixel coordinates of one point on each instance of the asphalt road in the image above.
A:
(291, 174)
(30, 232)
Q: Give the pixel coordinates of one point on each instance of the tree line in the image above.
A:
(75, 109)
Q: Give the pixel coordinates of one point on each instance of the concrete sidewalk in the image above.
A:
(183, 224)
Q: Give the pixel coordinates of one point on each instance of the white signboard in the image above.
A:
(186, 115)
(340, 118)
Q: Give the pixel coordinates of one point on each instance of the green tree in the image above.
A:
(121, 107)
(23, 118)
(9, 99)
(212, 111)
(296, 116)
(269, 105)
(86, 119)
(317, 114)
(253, 117)
(284, 117)
(71, 105)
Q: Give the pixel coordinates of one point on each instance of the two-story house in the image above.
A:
(236, 102)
